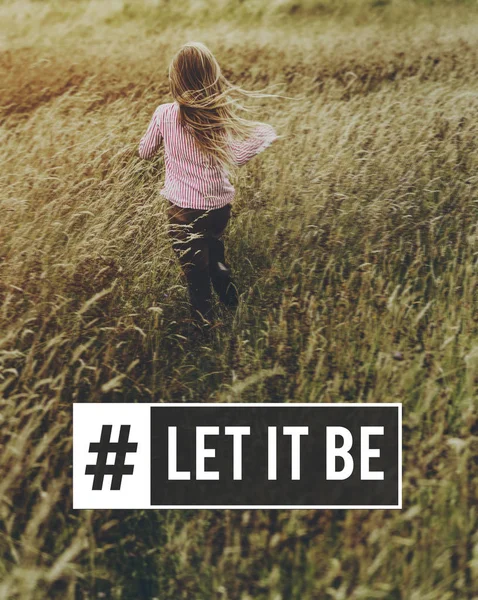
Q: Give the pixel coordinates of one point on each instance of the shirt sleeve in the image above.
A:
(151, 140)
(262, 138)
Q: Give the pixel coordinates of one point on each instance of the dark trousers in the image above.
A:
(196, 236)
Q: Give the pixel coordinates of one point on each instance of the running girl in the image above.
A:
(204, 139)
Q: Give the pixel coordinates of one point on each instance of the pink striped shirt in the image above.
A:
(192, 181)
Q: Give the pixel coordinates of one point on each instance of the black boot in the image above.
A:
(199, 284)
(224, 284)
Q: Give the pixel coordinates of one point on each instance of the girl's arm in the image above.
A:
(151, 140)
(244, 150)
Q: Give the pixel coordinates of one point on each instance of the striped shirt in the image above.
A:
(192, 180)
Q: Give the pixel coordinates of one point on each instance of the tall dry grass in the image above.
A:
(354, 242)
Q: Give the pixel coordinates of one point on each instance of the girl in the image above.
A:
(204, 138)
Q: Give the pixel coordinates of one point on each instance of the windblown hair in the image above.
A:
(207, 103)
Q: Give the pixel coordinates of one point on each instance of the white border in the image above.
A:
(398, 405)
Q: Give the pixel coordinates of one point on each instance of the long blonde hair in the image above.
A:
(207, 103)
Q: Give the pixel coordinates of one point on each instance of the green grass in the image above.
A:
(354, 243)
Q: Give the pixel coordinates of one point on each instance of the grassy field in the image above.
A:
(354, 242)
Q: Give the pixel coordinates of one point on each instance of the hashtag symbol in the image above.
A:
(119, 448)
